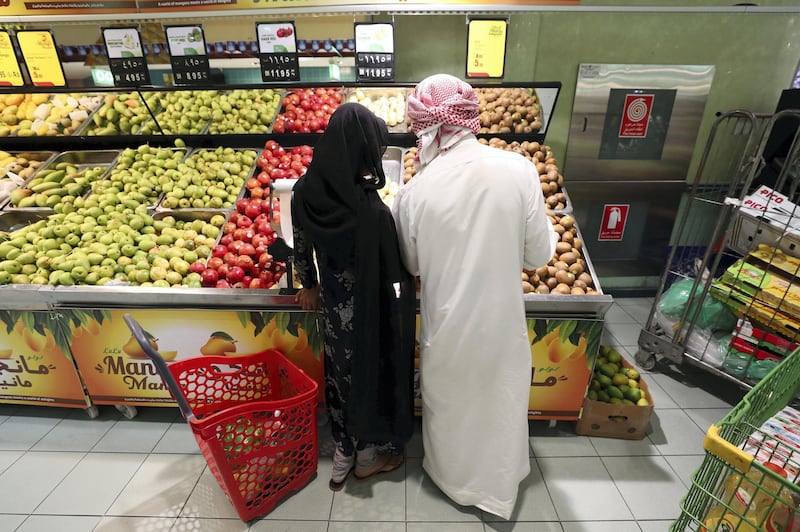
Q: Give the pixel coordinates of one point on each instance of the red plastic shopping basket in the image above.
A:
(254, 418)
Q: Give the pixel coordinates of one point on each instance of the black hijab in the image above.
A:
(343, 216)
(328, 198)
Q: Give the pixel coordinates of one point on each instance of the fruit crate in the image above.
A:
(112, 178)
(121, 113)
(80, 161)
(251, 172)
(737, 449)
(265, 113)
(253, 417)
(21, 168)
(387, 103)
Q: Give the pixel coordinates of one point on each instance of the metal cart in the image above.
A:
(709, 236)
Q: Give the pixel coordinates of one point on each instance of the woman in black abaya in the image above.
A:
(366, 297)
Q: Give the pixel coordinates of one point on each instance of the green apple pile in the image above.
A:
(62, 183)
(185, 112)
(209, 179)
(244, 111)
(124, 114)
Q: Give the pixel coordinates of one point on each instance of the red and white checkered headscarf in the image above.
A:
(442, 109)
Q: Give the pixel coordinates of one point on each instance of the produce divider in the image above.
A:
(76, 333)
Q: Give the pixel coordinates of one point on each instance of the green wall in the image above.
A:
(755, 54)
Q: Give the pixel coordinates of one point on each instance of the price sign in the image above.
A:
(10, 74)
(40, 53)
(374, 51)
(187, 53)
(277, 51)
(486, 48)
(126, 57)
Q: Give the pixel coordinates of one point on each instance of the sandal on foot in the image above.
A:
(342, 466)
(338, 485)
(384, 463)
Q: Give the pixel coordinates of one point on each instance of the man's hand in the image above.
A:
(308, 298)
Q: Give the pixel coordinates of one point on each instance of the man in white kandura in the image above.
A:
(468, 222)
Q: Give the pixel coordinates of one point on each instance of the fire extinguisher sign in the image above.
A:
(636, 115)
(612, 226)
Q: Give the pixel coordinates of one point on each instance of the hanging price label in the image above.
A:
(40, 54)
(126, 57)
(486, 48)
(10, 74)
(187, 53)
(374, 52)
(277, 51)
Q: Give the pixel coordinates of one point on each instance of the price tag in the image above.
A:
(187, 53)
(126, 57)
(374, 51)
(486, 48)
(277, 51)
(41, 56)
(10, 74)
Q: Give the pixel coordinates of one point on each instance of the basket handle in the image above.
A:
(161, 366)
(721, 448)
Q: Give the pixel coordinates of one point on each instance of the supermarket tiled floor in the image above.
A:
(60, 471)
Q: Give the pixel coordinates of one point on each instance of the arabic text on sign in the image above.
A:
(278, 59)
(374, 58)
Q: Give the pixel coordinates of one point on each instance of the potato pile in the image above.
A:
(542, 156)
(509, 110)
(567, 272)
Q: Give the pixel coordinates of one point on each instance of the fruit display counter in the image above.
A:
(179, 228)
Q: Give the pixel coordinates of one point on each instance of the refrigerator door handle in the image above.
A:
(585, 123)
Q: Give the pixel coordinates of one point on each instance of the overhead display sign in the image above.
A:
(41, 57)
(486, 48)
(277, 51)
(10, 74)
(66, 7)
(126, 57)
(195, 5)
(69, 7)
(187, 54)
(374, 51)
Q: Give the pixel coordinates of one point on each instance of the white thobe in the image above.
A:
(468, 223)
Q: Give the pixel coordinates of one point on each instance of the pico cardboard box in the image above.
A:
(616, 421)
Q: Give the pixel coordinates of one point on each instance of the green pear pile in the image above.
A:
(244, 111)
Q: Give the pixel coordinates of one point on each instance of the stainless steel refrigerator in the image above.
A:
(631, 139)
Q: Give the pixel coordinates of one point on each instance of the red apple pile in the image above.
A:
(277, 162)
(307, 110)
(241, 259)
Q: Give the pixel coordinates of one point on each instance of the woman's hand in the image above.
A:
(308, 298)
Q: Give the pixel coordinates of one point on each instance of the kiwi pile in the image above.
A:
(567, 272)
(509, 110)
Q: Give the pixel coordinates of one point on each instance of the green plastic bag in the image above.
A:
(674, 300)
(714, 315)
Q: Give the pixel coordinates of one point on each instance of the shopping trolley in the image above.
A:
(750, 461)
(254, 418)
